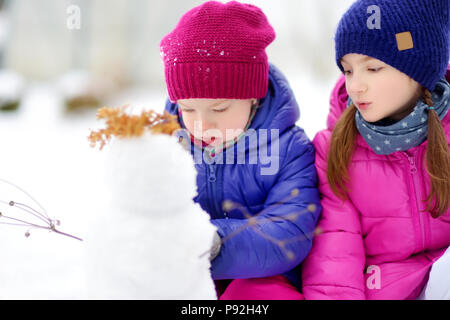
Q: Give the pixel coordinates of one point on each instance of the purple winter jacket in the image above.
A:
(254, 252)
(379, 244)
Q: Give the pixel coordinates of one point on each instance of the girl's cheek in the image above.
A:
(189, 124)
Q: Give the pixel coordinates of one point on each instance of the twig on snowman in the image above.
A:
(49, 224)
(257, 219)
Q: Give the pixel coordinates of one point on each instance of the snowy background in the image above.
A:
(114, 57)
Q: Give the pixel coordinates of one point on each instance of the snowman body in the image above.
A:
(151, 240)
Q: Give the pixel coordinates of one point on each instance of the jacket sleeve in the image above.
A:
(334, 268)
(276, 242)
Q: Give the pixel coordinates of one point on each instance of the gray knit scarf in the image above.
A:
(386, 136)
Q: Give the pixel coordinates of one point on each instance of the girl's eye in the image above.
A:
(374, 69)
(187, 110)
(347, 72)
(220, 110)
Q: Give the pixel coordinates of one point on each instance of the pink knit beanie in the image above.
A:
(217, 51)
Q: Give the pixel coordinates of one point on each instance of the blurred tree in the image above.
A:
(120, 39)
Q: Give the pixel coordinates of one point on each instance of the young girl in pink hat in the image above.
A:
(256, 175)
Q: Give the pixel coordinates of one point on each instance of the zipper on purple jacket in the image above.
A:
(212, 179)
(212, 174)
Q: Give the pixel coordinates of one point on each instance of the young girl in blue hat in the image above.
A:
(384, 161)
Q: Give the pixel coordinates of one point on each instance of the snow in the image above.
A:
(11, 86)
(48, 157)
(438, 285)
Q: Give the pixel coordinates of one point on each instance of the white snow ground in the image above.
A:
(47, 154)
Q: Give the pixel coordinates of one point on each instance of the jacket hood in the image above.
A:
(278, 109)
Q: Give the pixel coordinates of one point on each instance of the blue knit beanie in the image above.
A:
(409, 35)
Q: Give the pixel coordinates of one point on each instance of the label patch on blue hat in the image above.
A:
(404, 41)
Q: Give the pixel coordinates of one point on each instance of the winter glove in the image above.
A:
(215, 248)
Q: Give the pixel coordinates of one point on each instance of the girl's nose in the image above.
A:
(208, 123)
(356, 85)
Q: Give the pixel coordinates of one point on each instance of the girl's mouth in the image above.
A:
(210, 140)
(363, 105)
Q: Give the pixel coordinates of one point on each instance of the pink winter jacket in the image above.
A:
(378, 245)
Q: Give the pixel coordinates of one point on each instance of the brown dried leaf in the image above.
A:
(122, 125)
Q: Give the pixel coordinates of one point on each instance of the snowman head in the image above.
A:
(147, 172)
(152, 174)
